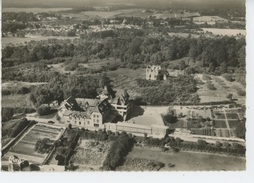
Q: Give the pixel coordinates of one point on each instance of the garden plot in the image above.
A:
(219, 124)
(90, 154)
(24, 148)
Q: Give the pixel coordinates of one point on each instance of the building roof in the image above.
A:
(91, 102)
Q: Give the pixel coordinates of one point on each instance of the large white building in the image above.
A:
(110, 111)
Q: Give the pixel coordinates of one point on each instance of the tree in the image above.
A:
(170, 118)
(230, 97)
(43, 110)
(7, 113)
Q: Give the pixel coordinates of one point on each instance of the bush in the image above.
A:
(241, 92)
(43, 146)
(169, 118)
(210, 85)
(23, 90)
(43, 110)
(228, 77)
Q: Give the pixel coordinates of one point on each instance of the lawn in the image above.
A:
(90, 155)
(187, 161)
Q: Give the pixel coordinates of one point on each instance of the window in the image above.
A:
(96, 125)
(79, 123)
(75, 122)
(94, 116)
(88, 122)
(70, 117)
(97, 116)
(97, 121)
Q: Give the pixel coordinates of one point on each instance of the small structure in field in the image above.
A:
(152, 72)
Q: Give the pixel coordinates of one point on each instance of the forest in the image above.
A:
(215, 56)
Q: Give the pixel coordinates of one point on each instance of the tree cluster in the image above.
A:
(43, 146)
(119, 149)
(175, 89)
(216, 56)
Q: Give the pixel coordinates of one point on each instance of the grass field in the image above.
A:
(16, 100)
(24, 148)
(90, 154)
(188, 161)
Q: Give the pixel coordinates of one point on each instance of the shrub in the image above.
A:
(23, 90)
(241, 92)
(210, 85)
(228, 77)
(43, 110)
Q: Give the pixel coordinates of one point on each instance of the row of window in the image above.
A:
(95, 116)
(75, 122)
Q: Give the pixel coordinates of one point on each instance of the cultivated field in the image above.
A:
(219, 124)
(24, 148)
(187, 161)
(90, 155)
